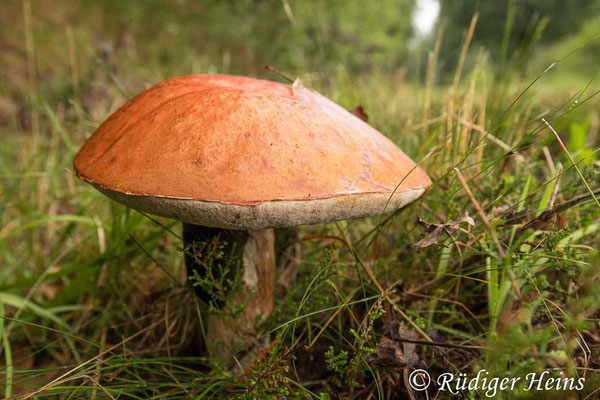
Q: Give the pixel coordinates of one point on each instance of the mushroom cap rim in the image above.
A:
(268, 214)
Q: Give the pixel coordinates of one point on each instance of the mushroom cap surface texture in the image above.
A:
(242, 153)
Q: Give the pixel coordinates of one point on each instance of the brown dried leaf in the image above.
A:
(393, 350)
(360, 112)
(430, 239)
(388, 354)
(410, 349)
(396, 350)
(436, 230)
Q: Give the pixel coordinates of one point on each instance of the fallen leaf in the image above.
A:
(430, 239)
(393, 350)
(388, 354)
(436, 230)
(360, 112)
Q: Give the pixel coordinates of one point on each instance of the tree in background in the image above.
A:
(508, 29)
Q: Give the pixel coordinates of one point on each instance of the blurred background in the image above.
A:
(66, 49)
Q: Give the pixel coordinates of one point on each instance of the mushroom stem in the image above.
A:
(233, 272)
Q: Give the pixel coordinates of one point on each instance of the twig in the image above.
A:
(439, 344)
(273, 69)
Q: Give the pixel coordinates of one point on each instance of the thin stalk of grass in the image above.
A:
(383, 291)
(571, 365)
(456, 80)
(520, 207)
(63, 378)
(429, 76)
(510, 17)
(492, 292)
(73, 58)
(564, 148)
(479, 210)
(467, 115)
(59, 128)
(498, 122)
(31, 64)
(8, 360)
(345, 304)
(332, 317)
(427, 96)
(441, 269)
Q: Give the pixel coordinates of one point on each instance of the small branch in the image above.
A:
(273, 69)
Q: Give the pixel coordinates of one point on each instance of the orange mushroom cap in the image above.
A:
(243, 153)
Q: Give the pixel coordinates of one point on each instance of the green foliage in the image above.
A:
(267, 380)
(349, 367)
(509, 27)
(303, 35)
(578, 142)
(218, 276)
(582, 47)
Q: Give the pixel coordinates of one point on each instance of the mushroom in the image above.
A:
(233, 158)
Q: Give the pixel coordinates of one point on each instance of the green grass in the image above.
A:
(93, 302)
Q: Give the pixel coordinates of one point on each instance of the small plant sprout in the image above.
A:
(232, 158)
